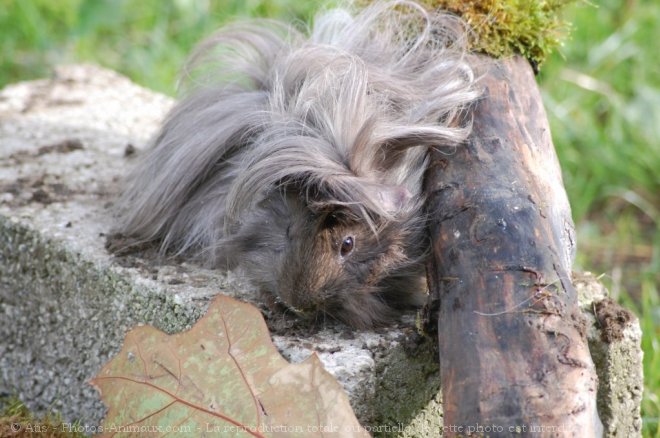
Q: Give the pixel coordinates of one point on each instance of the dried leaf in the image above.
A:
(223, 377)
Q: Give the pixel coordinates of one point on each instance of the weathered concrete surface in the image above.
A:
(615, 339)
(65, 303)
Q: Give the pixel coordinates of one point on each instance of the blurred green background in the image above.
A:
(601, 91)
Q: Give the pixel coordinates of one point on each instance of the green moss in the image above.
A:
(502, 28)
(17, 420)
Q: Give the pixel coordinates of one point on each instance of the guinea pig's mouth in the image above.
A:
(309, 309)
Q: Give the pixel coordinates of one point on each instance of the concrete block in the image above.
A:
(615, 340)
(66, 303)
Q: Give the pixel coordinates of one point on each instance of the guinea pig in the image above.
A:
(298, 157)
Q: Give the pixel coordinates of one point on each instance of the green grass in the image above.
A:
(601, 91)
(147, 40)
(603, 103)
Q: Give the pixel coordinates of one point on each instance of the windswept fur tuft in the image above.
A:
(288, 144)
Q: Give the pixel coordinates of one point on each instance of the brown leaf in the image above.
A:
(223, 377)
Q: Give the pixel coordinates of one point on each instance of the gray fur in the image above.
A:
(286, 144)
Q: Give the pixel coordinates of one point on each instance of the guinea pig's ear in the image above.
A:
(392, 199)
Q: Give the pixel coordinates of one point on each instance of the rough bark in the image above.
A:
(513, 349)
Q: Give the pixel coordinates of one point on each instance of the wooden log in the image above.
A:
(513, 348)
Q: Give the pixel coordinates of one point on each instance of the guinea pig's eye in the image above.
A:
(347, 246)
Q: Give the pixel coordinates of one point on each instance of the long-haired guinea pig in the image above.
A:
(298, 157)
